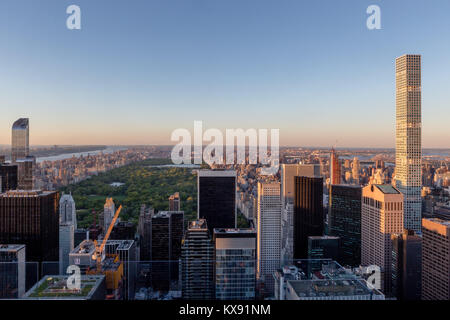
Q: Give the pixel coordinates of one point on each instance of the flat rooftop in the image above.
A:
(217, 173)
(331, 288)
(25, 193)
(55, 287)
(387, 189)
(11, 247)
(85, 247)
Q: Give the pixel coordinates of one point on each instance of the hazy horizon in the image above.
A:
(137, 71)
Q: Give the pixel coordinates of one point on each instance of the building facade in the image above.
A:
(408, 139)
(67, 227)
(308, 213)
(435, 259)
(12, 271)
(20, 139)
(31, 218)
(344, 221)
(216, 200)
(235, 271)
(268, 232)
(381, 216)
(406, 265)
(197, 262)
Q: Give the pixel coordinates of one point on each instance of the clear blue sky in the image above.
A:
(139, 69)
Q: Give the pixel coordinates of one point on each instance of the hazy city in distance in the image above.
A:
(254, 151)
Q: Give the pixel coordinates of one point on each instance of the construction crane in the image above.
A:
(99, 254)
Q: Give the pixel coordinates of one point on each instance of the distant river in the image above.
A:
(79, 154)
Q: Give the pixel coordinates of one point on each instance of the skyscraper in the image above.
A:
(381, 216)
(167, 231)
(126, 250)
(31, 218)
(335, 168)
(109, 209)
(235, 272)
(197, 262)
(217, 198)
(8, 177)
(406, 265)
(288, 172)
(344, 221)
(25, 172)
(175, 202)
(408, 142)
(355, 170)
(308, 213)
(67, 226)
(145, 233)
(435, 259)
(12, 271)
(20, 147)
(268, 231)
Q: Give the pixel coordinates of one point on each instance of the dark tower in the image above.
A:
(308, 213)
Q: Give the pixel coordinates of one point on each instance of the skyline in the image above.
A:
(292, 66)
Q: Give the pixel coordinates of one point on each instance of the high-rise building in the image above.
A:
(355, 170)
(344, 221)
(145, 233)
(435, 259)
(167, 231)
(67, 226)
(20, 145)
(216, 200)
(25, 172)
(31, 218)
(109, 209)
(175, 202)
(268, 232)
(8, 177)
(335, 168)
(288, 172)
(323, 247)
(126, 250)
(308, 213)
(406, 265)
(12, 271)
(235, 272)
(408, 142)
(197, 262)
(123, 230)
(381, 216)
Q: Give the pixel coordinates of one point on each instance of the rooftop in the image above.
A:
(21, 124)
(331, 288)
(11, 247)
(387, 189)
(85, 247)
(55, 287)
(217, 173)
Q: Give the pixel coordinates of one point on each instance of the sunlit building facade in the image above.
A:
(408, 145)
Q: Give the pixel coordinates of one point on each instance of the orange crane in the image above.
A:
(99, 253)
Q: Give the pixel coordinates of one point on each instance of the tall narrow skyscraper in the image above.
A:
(408, 142)
(197, 262)
(67, 226)
(20, 146)
(268, 232)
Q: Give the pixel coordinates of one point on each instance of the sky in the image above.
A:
(137, 70)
